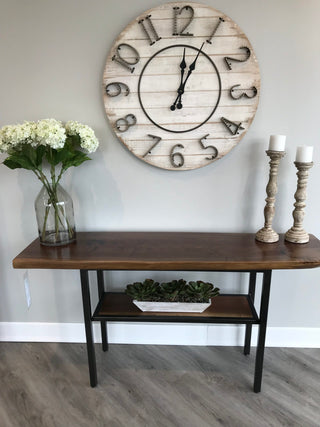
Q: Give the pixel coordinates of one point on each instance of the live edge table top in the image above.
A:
(170, 251)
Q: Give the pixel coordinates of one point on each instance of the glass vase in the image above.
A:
(55, 217)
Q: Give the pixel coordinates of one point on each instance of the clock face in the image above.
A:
(171, 102)
(181, 86)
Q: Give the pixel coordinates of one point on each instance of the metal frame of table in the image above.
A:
(89, 317)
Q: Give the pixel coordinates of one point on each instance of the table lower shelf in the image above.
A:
(233, 308)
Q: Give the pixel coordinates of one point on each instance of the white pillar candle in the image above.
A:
(304, 154)
(277, 142)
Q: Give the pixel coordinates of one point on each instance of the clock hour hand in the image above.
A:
(180, 90)
(183, 66)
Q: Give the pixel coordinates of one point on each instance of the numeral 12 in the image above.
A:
(177, 11)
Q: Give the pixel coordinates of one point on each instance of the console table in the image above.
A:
(174, 251)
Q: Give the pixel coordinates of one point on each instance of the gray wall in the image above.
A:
(52, 58)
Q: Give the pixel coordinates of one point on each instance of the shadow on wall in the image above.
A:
(18, 227)
(3, 272)
(252, 199)
(29, 189)
(96, 196)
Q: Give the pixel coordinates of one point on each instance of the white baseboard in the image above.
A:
(156, 333)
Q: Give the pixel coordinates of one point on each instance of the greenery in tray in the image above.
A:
(174, 291)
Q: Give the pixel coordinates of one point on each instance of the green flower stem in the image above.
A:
(70, 230)
(41, 176)
(60, 174)
(43, 233)
(54, 199)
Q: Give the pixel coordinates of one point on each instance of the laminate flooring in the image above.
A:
(47, 384)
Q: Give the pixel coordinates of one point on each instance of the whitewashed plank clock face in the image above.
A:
(181, 85)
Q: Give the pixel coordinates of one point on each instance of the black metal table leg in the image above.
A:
(88, 326)
(252, 290)
(103, 323)
(262, 330)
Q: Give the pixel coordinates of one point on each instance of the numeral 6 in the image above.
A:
(177, 159)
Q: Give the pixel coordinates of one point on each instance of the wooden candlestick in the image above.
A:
(267, 234)
(297, 234)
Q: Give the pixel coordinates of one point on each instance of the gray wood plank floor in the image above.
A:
(47, 384)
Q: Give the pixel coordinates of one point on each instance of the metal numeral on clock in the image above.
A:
(205, 147)
(157, 139)
(232, 127)
(115, 88)
(124, 123)
(228, 59)
(177, 11)
(125, 63)
(214, 30)
(153, 31)
(244, 93)
(177, 159)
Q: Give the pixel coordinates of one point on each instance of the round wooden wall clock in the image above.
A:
(181, 85)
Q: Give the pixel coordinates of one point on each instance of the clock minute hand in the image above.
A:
(183, 65)
(180, 91)
(192, 67)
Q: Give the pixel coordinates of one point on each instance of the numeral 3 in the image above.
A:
(253, 92)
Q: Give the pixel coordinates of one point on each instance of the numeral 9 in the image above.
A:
(115, 88)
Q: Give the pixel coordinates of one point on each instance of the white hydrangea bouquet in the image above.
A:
(49, 145)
